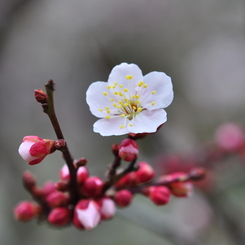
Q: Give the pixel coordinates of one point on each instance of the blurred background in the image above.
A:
(200, 44)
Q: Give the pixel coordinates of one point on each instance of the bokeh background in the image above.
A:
(200, 44)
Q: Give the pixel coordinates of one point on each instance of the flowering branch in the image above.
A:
(129, 103)
(60, 145)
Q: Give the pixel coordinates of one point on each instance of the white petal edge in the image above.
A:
(109, 127)
(162, 85)
(119, 73)
(148, 121)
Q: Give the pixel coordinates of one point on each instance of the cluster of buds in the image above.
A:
(83, 200)
(96, 199)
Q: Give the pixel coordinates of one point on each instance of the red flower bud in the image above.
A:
(129, 180)
(92, 186)
(26, 211)
(40, 96)
(57, 199)
(48, 188)
(123, 198)
(29, 180)
(160, 195)
(128, 150)
(178, 188)
(59, 216)
(145, 173)
(33, 149)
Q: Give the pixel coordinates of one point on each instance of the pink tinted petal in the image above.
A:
(119, 73)
(32, 138)
(39, 149)
(36, 161)
(162, 85)
(89, 217)
(108, 127)
(97, 100)
(108, 208)
(64, 173)
(24, 151)
(148, 121)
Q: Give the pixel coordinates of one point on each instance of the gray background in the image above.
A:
(200, 44)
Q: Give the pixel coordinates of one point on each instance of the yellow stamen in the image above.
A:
(107, 117)
(131, 125)
(104, 93)
(100, 110)
(109, 87)
(122, 126)
(153, 92)
(129, 77)
(153, 103)
(125, 90)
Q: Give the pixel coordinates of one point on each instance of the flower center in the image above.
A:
(125, 102)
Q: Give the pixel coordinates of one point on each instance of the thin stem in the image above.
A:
(112, 173)
(50, 111)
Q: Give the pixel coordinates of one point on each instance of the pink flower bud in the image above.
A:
(59, 216)
(33, 149)
(82, 174)
(179, 188)
(129, 180)
(123, 198)
(57, 199)
(29, 180)
(64, 173)
(128, 150)
(92, 186)
(145, 173)
(160, 195)
(26, 211)
(230, 137)
(87, 214)
(108, 208)
(48, 188)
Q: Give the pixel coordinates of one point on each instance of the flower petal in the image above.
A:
(108, 127)
(159, 91)
(24, 151)
(97, 100)
(89, 217)
(125, 74)
(148, 121)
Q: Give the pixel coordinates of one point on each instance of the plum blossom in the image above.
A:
(130, 102)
